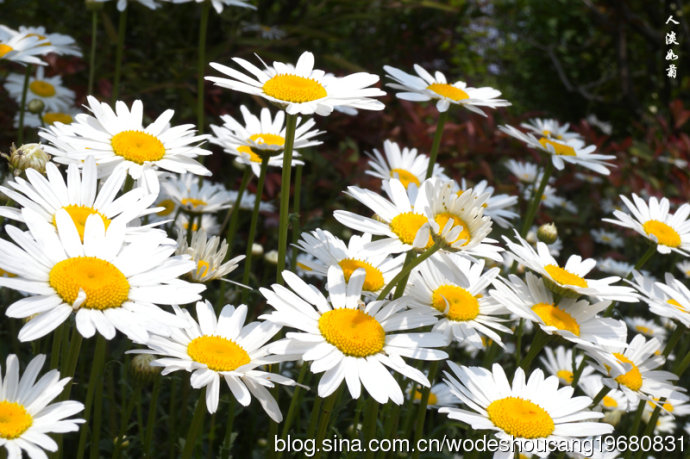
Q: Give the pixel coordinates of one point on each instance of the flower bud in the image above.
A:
(35, 106)
(28, 156)
(142, 368)
(547, 233)
(271, 257)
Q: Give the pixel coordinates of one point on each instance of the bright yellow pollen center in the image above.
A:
(667, 406)
(55, 117)
(14, 420)
(353, 332)
(79, 215)
(564, 277)
(609, 402)
(104, 285)
(678, 306)
(193, 202)
(195, 227)
(665, 235)
(645, 330)
(462, 305)
(406, 225)
(261, 139)
(4, 49)
(42, 88)
(137, 146)
(202, 268)
(217, 353)
(373, 280)
(448, 91)
(433, 399)
(555, 317)
(405, 177)
(303, 266)
(4, 273)
(559, 148)
(293, 88)
(633, 378)
(565, 375)
(168, 207)
(442, 218)
(520, 418)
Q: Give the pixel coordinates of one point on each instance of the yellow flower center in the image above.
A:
(217, 353)
(405, 177)
(406, 226)
(14, 420)
(137, 146)
(462, 305)
(520, 418)
(79, 215)
(54, 117)
(565, 375)
(304, 267)
(644, 330)
(262, 139)
(564, 277)
(559, 148)
(667, 406)
(168, 207)
(105, 285)
(185, 226)
(433, 399)
(193, 202)
(555, 317)
(40, 37)
(202, 268)
(678, 306)
(4, 273)
(373, 280)
(42, 88)
(442, 218)
(353, 332)
(448, 91)
(609, 402)
(4, 49)
(293, 88)
(665, 235)
(633, 378)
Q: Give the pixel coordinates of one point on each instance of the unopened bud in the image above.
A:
(272, 257)
(35, 106)
(547, 233)
(257, 249)
(28, 156)
(94, 5)
(142, 368)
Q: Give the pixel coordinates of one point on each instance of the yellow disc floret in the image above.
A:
(565, 277)
(168, 206)
(520, 418)
(193, 202)
(42, 88)
(433, 399)
(202, 268)
(373, 280)
(55, 117)
(261, 139)
(353, 332)
(555, 317)
(406, 226)
(79, 215)
(609, 402)
(565, 375)
(664, 234)
(406, 177)
(448, 91)
(461, 304)
(217, 353)
(633, 378)
(559, 148)
(442, 218)
(137, 146)
(5, 49)
(14, 420)
(104, 285)
(294, 88)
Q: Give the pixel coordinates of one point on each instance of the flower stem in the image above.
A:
(423, 403)
(682, 366)
(95, 379)
(195, 426)
(227, 442)
(121, 29)
(315, 410)
(295, 212)
(294, 403)
(536, 199)
(290, 125)
(22, 105)
(673, 340)
(435, 146)
(70, 360)
(600, 396)
(59, 336)
(371, 414)
(579, 370)
(151, 419)
(407, 269)
(253, 223)
(325, 419)
(540, 340)
(234, 211)
(92, 55)
(201, 64)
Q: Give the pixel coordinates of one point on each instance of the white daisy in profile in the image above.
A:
(209, 224)
(571, 151)
(524, 171)
(218, 5)
(349, 341)
(48, 90)
(575, 320)
(300, 88)
(266, 32)
(616, 267)
(405, 164)
(303, 263)
(48, 118)
(569, 279)
(223, 348)
(669, 299)
(497, 206)
(559, 362)
(614, 400)
(262, 134)
(122, 4)
(676, 404)
(589, 178)
(109, 283)
(207, 255)
(639, 378)
(327, 250)
(54, 42)
(207, 198)
(684, 267)
(26, 414)
(79, 195)
(425, 87)
(119, 139)
(550, 128)
(455, 290)
(648, 328)
(653, 220)
(439, 395)
(605, 237)
(533, 413)
(549, 199)
(21, 48)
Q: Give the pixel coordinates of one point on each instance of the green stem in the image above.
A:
(673, 340)
(58, 342)
(435, 146)
(253, 223)
(290, 125)
(94, 379)
(540, 340)
(297, 196)
(22, 105)
(195, 426)
(600, 396)
(536, 199)
(151, 419)
(124, 421)
(121, 29)
(423, 403)
(518, 342)
(371, 415)
(579, 370)
(400, 289)
(325, 419)
(294, 402)
(640, 263)
(92, 55)
(201, 64)
(227, 447)
(682, 366)
(70, 362)
(172, 419)
(315, 410)
(636, 424)
(234, 211)
(407, 269)
(355, 420)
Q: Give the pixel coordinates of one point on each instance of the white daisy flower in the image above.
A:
(54, 42)
(265, 31)
(647, 327)
(669, 299)
(550, 128)
(570, 279)
(119, 138)
(560, 364)
(406, 165)
(670, 232)
(207, 198)
(614, 400)
(222, 347)
(532, 413)
(207, 256)
(109, 283)
(300, 88)
(455, 289)
(684, 267)
(26, 414)
(351, 342)
(575, 320)
(524, 171)
(605, 237)
(611, 266)
(20, 47)
(65, 116)
(571, 151)
(328, 250)
(639, 378)
(264, 135)
(426, 87)
(497, 207)
(589, 178)
(122, 4)
(676, 404)
(302, 265)
(549, 198)
(439, 395)
(218, 5)
(209, 224)
(78, 195)
(49, 90)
